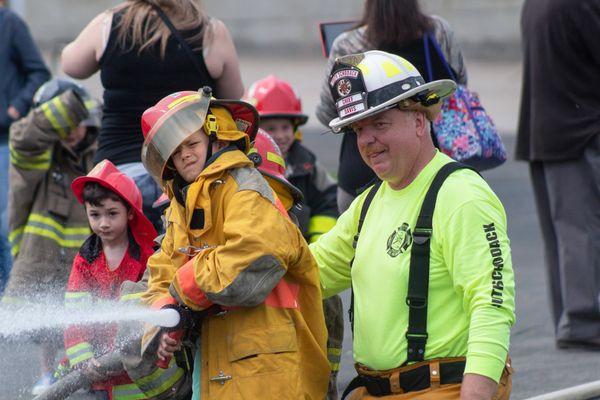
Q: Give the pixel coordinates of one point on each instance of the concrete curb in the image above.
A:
(586, 391)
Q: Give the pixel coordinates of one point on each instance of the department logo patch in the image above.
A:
(400, 240)
(344, 87)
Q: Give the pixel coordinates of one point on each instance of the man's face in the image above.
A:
(389, 143)
(281, 130)
(190, 156)
(109, 220)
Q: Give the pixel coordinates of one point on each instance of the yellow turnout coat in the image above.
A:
(251, 259)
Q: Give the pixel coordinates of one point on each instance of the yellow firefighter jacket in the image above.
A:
(271, 341)
(46, 223)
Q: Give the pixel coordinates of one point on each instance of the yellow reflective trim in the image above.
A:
(275, 158)
(11, 300)
(53, 236)
(334, 351)
(409, 67)
(183, 99)
(14, 238)
(51, 222)
(390, 69)
(132, 296)
(91, 104)
(60, 107)
(365, 70)
(77, 295)
(120, 392)
(78, 347)
(320, 224)
(82, 357)
(334, 366)
(41, 161)
(15, 232)
(43, 157)
(156, 375)
(53, 121)
(28, 165)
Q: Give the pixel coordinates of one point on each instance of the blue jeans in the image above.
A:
(5, 258)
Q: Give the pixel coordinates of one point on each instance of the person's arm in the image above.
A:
(31, 142)
(163, 264)
(78, 345)
(321, 198)
(32, 65)
(476, 249)
(333, 251)
(477, 387)
(451, 49)
(258, 247)
(222, 61)
(79, 59)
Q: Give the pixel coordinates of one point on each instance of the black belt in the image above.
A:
(410, 381)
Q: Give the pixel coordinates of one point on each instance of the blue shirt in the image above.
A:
(22, 69)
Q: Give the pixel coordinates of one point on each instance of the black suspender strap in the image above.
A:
(418, 280)
(361, 220)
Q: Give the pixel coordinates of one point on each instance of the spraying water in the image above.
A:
(21, 319)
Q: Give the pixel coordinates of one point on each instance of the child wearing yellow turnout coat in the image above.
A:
(229, 242)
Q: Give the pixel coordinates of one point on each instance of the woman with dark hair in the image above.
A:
(141, 61)
(398, 27)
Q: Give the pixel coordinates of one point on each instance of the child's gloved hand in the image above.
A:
(95, 372)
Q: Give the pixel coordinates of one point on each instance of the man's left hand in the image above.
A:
(477, 387)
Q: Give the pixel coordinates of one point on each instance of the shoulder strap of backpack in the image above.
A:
(361, 219)
(418, 280)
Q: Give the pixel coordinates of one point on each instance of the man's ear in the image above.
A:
(130, 214)
(421, 122)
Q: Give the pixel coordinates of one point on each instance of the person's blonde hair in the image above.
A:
(140, 24)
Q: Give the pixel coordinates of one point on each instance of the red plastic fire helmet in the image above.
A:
(275, 98)
(177, 116)
(106, 174)
(268, 159)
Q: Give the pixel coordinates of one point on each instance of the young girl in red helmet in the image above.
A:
(230, 245)
(117, 251)
(281, 115)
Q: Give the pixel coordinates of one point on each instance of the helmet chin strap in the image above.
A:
(209, 151)
(211, 127)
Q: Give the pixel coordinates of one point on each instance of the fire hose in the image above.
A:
(77, 379)
(108, 363)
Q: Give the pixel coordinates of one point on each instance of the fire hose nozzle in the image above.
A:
(176, 321)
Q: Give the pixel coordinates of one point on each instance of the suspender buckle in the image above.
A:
(421, 235)
(416, 302)
(416, 346)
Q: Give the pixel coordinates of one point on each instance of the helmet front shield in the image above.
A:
(185, 115)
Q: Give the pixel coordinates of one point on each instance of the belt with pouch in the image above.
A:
(409, 378)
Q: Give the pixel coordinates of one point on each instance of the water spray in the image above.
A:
(27, 318)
